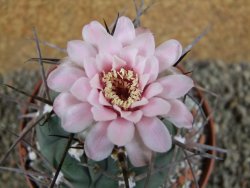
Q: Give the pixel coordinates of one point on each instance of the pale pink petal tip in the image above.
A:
(139, 155)
(156, 107)
(120, 131)
(153, 90)
(179, 114)
(77, 118)
(154, 134)
(145, 43)
(78, 50)
(168, 53)
(81, 89)
(62, 102)
(97, 145)
(124, 30)
(62, 78)
(93, 32)
(175, 86)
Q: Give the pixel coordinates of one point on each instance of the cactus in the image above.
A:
(94, 174)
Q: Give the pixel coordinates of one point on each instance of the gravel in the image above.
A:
(231, 113)
(9, 121)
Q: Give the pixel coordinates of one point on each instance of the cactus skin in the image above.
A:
(52, 147)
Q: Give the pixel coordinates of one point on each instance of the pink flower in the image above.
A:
(113, 86)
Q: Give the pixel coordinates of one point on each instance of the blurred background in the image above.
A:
(220, 60)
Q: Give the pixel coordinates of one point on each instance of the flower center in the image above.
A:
(121, 87)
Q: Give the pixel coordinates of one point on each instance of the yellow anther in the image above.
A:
(121, 87)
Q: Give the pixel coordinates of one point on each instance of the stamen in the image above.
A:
(121, 87)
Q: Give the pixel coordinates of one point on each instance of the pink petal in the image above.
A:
(153, 90)
(168, 53)
(94, 32)
(145, 43)
(179, 114)
(77, 118)
(102, 113)
(97, 146)
(118, 63)
(140, 64)
(138, 154)
(78, 50)
(93, 97)
(62, 78)
(81, 89)
(120, 131)
(108, 44)
(141, 102)
(175, 86)
(104, 62)
(90, 67)
(143, 80)
(133, 116)
(154, 134)
(103, 100)
(152, 68)
(124, 30)
(62, 102)
(128, 54)
(95, 82)
(156, 107)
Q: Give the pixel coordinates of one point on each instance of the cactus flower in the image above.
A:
(112, 86)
